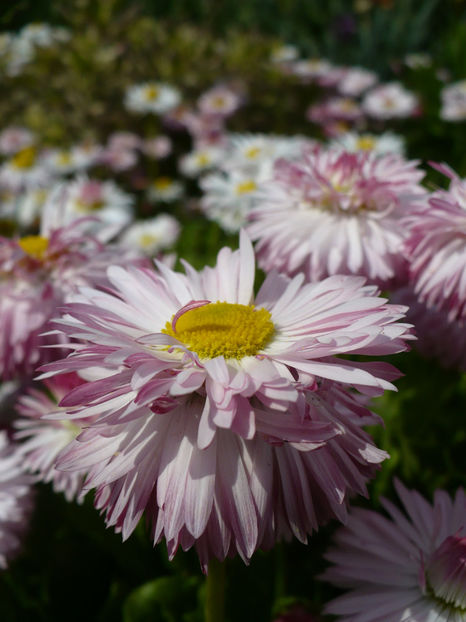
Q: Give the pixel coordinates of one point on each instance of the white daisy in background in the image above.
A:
(311, 68)
(154, 97)
(165, 189)
(454, 102)
(158, 148)
(15, 500)
(408, 567)
(153, 235)
(228, 198)
(284, 54)
(390, 101)
(388, 142)
(256, 153)
(78, 158)
(90, 197)
(13, 139)
(356, 80)
(29, 206)
(200, 160)
(418, 60)
(24, 170)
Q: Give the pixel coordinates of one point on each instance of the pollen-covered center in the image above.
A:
(34, 245)
(223, 329)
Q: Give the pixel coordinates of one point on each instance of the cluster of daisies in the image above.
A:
(233, 417)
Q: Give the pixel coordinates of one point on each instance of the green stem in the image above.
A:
(215, 592)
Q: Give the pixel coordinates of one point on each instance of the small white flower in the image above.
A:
(154, 97)
(165, 189)
(152, 236)
(390, 101)
(383, 143)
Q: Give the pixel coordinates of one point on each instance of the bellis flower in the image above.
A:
(44, 434)
(437, 249)
(405, 568)
(225, 417)
(15, 501)
(334, 212)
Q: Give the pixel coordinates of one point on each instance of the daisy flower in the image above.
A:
(153, 97)
(403, 568)
(228, 198)
(377, 143)
(165, 190)
(334, 212)
(43, 434)
(454, 101)
(200, 160)
(226, 417)
(311, 68)
(390, 101)
(15, 501)
(219, 100)
(437, 249)
(37, 273)
(152, 235)
(356, 80)
(24, 170)
(13, 139)
(85, 196)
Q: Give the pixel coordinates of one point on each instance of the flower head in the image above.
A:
(437, 249)
(390, 101)
(223, 415)
(155, 97)
(15, 501)
(334, 212)
(404, 567)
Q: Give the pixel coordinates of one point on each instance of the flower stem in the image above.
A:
(215, 592)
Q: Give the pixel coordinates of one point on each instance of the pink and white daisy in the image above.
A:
(226, 417)
(356, 80)
(311, 68)
(437, 249)
(13, 139)
(334, 212)
(335, 109)
(43, 434)
(37, 273)
(390, 101)
(159, 147)
(404, 568)
(219, 100)
(84, 196)
(15, 501)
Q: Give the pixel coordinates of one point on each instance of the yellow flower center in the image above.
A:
(34, 245)
(246, 186)
(223, 329)
(151, 93)
(64, 158)
(146, 240)
(162, 183)
(91, 206)
(24, 158)
(202, 159)
(253, 152)
(365, 143)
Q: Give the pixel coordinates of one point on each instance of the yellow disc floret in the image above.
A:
(34, 245)
(25, 158)
(223, 329)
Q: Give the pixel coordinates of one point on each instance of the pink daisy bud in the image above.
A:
(224, 416)
(334, 212)
(404, 567)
